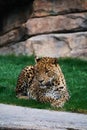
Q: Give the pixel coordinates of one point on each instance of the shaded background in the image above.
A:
(55, 28)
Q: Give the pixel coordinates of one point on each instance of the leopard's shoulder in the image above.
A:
(24, 80)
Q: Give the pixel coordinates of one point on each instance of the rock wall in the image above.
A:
(56, 28)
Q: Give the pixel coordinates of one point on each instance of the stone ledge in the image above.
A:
(55, 7)
(75, 22)
(23, 118)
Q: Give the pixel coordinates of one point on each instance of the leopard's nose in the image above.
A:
(41, 81)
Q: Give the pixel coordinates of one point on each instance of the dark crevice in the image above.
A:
(5, 32)
(9, 128)
(10, 5)
(59, 32)
(12, 8)
(71, 129)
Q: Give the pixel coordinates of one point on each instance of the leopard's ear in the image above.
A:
(55, 60)
(37, 59)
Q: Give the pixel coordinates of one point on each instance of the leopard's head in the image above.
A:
(45, 71)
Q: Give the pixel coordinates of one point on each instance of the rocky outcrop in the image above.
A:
(53, 45)
(60, 23)
(55, 28)
(13, 36)
(60, 45)
(55, 7)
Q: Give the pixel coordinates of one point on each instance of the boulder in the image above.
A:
(52, 45)
(48, 46)
(55, 7)
(60, 45)
(60, 23)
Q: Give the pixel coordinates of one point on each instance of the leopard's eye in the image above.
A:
(46, 71)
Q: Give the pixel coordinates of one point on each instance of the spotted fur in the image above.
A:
(44, 82)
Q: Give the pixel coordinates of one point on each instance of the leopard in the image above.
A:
(44, 82)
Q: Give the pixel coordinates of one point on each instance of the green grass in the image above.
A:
(75, 71)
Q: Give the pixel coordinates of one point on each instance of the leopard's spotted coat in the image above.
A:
(44, 82)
